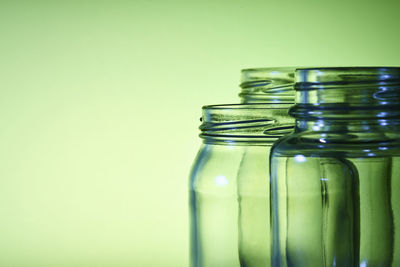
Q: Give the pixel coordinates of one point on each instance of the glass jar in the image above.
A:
(229, 191)
(333, 179)
(267, 85)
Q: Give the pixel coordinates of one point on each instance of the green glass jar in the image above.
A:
(334, 179)
(229, 189)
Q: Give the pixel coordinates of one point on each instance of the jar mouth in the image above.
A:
(235, 123)
(309, 78)
(261, 74)
(248, 106)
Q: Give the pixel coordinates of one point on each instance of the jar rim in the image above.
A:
(349, 67)
(248, 106)
(249, 76)
(344, 75)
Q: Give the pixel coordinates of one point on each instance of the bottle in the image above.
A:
(229, 187)
(334, 179)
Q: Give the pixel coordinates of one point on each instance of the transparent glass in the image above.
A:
(229, 189)
(267, 85)
(334, 179)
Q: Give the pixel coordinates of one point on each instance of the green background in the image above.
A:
(100, 103)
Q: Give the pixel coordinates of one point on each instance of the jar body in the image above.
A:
(229, 198)
(335, 205)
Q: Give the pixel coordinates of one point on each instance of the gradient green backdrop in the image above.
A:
(100, 104)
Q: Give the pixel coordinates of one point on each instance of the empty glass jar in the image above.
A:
(229, 187)
(334, 179)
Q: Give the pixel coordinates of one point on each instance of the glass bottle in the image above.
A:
(334, 179)
(229, 189)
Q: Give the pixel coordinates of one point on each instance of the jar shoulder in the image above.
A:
(338, 144)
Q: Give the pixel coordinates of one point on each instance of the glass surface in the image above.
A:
(267, 85)
(229, 189)
(335, 179)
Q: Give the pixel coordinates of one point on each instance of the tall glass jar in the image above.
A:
(334, 179)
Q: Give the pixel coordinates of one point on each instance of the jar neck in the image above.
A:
(267, 85)
(347, 99)
(245, 124)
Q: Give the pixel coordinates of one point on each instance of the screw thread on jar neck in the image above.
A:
(347, 93)
(245, 123)
(267, 85)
